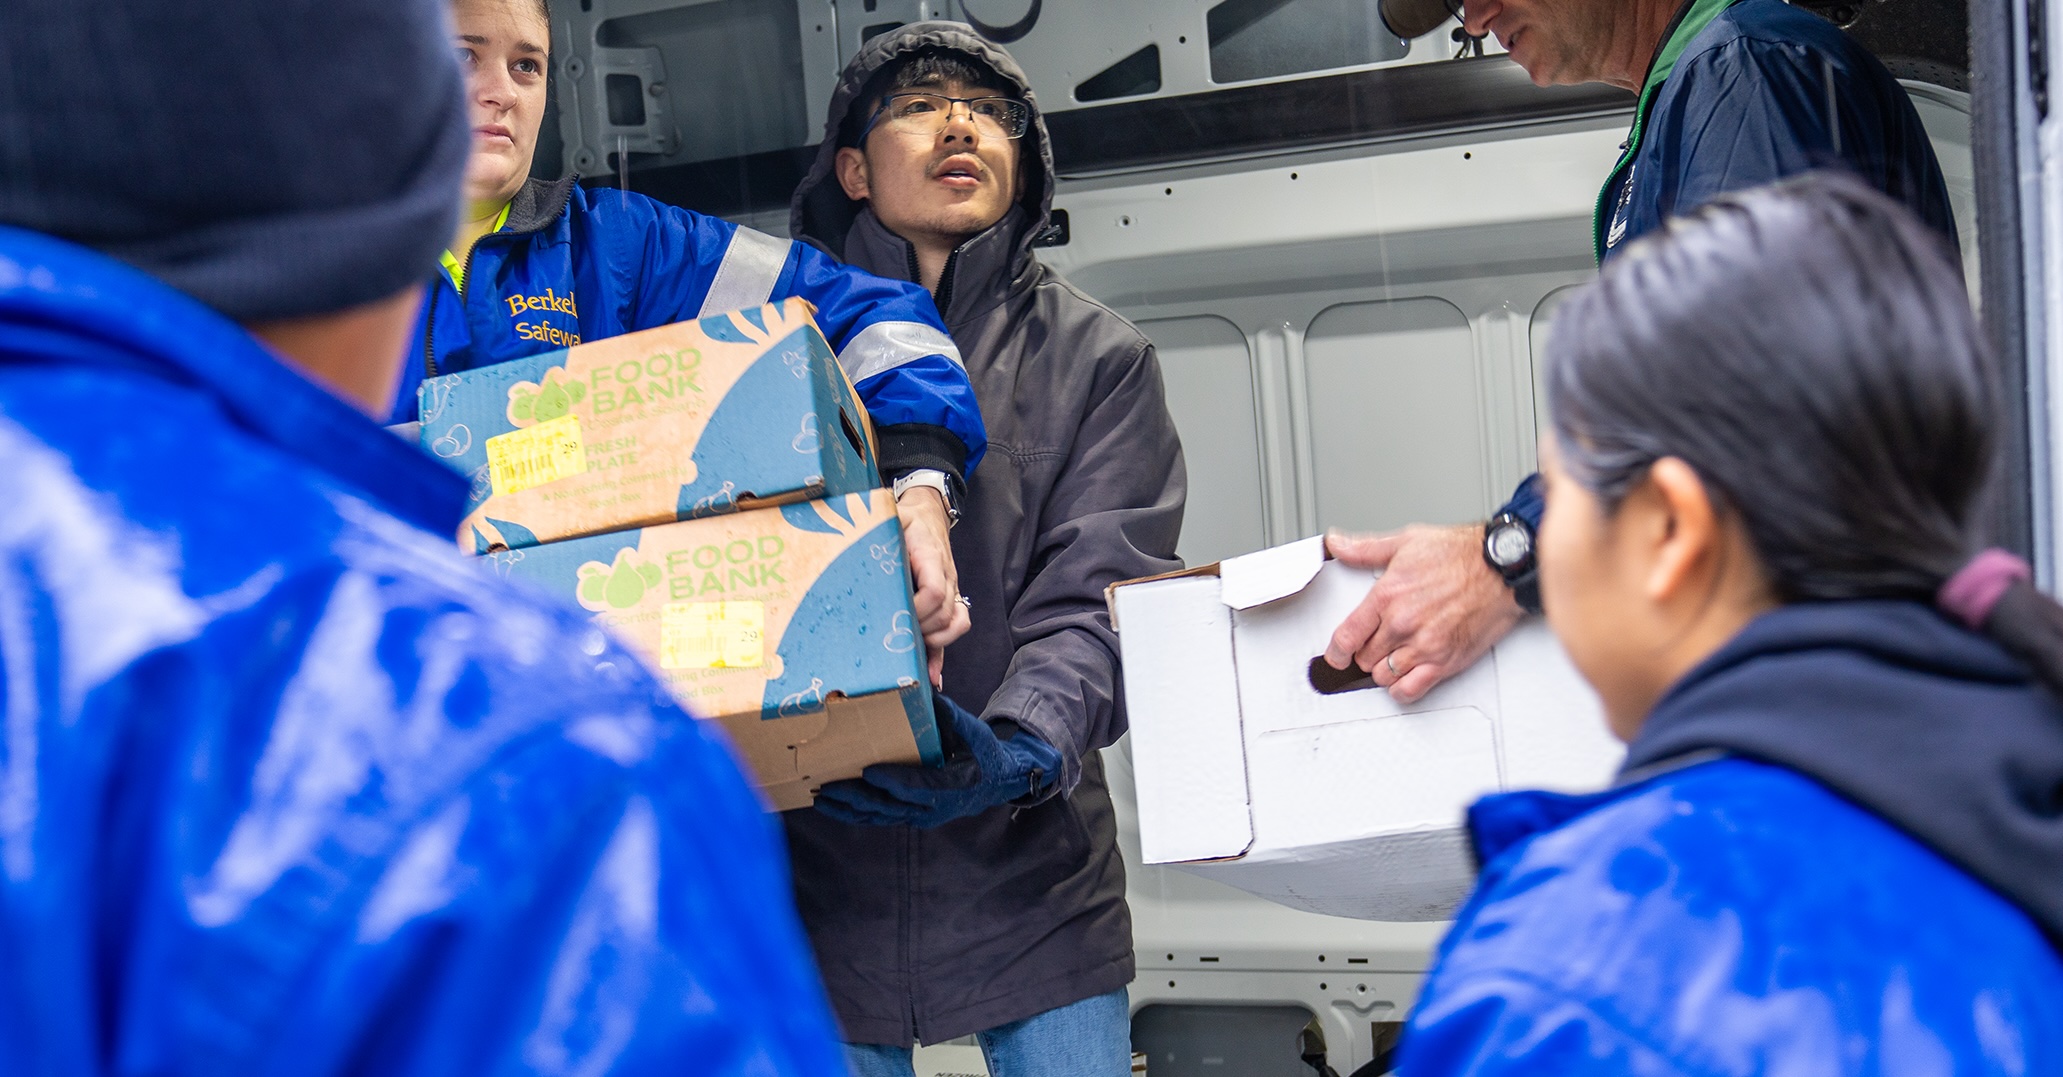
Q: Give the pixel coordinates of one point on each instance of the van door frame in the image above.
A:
(2018, 193)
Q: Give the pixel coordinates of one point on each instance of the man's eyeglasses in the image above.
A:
(928, 113)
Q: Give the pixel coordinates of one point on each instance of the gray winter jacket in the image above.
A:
(931, 934)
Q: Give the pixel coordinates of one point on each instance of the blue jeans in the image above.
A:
(1090, 1038)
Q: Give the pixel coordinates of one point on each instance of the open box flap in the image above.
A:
(1266, 575)
(1250, 579)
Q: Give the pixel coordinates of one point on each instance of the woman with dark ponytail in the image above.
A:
(1837, 844)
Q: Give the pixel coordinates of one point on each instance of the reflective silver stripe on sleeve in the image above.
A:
(751, 264)
(887, 345)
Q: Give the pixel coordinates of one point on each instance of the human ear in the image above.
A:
(1687, 544)
(852, 173)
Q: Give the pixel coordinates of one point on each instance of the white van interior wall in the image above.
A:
(1369, 312)
(1349, 338)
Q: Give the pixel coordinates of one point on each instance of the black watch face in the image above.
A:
(1509, 545)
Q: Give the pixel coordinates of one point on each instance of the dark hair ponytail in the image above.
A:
(1808, 349)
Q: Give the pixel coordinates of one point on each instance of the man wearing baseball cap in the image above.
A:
(286, 786)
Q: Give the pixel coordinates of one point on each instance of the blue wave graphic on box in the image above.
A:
(853, 632)
(746, 446)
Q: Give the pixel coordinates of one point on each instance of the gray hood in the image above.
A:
(822, 216)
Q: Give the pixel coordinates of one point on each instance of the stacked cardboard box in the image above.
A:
(736, 411)
(709, 491)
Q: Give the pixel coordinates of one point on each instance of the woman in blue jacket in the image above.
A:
(540, 265)
(1837, 844)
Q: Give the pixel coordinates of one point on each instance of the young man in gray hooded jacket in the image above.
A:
(988, 897)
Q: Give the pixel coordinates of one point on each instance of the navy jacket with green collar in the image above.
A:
(1746, 92)
(574, 265)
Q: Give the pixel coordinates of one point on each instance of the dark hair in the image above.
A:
(933, 65)
(1808, 349)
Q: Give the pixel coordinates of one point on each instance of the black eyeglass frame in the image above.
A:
(882, 110)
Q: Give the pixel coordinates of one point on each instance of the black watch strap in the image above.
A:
(1526, 591)
(1522, 575)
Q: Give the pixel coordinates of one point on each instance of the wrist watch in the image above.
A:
(1508, 550)
(936, 480)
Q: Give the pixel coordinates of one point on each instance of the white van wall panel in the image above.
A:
(1505, 367)
(1209, 372)
(1536, 339)
(1486, 340)
(1279, 395)
(1395, 419)
(816, 27)
(717, 78)
(1470, 188)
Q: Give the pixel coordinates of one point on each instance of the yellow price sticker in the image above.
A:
(712, 635)
(533, 456)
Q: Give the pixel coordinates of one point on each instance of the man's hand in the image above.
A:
(1437, 608)
(984, 769)
(941, 616)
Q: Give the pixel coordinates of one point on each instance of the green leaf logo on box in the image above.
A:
(620, 586)
(550, 397)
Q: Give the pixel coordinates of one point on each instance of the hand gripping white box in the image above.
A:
(1333, 801)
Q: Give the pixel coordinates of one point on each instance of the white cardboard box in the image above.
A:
(1346, 803)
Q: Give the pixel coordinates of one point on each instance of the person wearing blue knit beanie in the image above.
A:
(287, 786)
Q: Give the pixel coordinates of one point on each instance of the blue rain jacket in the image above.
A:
(1836, 853)
(287, 787)
(575, 265)
(1746, 92)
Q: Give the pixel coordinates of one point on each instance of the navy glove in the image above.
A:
(986, 770)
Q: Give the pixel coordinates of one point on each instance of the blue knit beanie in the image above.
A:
(271, 158)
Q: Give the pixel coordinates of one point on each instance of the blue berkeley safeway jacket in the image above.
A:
(1844, 860)
(575, 265)
(288, 787)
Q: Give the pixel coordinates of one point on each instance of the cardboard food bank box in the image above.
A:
(694, 419)
(1326, 796)
(791, 626)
